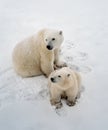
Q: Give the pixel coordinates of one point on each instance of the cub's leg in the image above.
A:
(71, 96)
(55, 97)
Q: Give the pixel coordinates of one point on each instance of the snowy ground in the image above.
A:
(24, 103)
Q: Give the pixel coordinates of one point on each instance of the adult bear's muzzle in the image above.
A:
(49, 47)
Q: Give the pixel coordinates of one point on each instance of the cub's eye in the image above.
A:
(68, 75)
(53, 39)
(59, 76)
(46, 40)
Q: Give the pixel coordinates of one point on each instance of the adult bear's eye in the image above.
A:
(46, 40)
(53, 39)
(59, 76)
(68, 75)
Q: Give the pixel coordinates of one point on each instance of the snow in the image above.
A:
(24, 102)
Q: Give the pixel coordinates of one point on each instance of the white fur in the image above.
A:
(31, 57)
(66, 82)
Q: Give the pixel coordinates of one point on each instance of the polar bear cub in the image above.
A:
(38, 54)
(64, 83)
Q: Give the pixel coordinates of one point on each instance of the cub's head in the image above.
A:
(53, 38)
(62, 78)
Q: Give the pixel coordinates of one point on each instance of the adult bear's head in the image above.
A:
(53, 38)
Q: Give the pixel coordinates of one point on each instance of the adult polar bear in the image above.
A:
(38, 54)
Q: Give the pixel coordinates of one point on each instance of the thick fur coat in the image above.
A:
(38, 54)
(64, 83)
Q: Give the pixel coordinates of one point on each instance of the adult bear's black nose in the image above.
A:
(49, 47)
(52, 79)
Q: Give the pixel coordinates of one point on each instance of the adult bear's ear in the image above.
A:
(60, 32)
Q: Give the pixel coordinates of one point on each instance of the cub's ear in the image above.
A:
(60, 32)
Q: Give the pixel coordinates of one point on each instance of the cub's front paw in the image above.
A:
(70, 103)
(57, 104)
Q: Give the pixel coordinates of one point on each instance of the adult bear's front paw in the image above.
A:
(61, 64)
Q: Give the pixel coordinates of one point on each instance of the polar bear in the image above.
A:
(38, 54)
(64, 83)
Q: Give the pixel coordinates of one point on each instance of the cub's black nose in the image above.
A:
(52, 79)
(49, 47)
